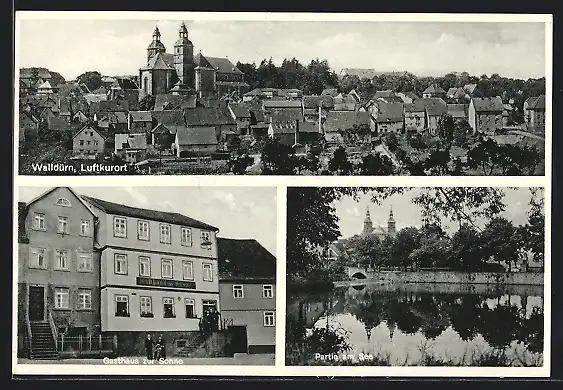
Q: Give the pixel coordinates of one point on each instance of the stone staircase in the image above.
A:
(42, 342)
(207, 346)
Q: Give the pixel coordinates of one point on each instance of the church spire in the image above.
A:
(391, 226)
(156, 34)
(368, 224)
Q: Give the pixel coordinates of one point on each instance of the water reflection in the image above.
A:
(408, 322)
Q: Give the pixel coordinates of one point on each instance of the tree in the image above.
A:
(307, 164)
(462, 130)
(92, 80)
(406, 242)
(437, 162)
(147, 103)
(277, 158)
(349, 83)
(391, 141)
(465, 251)
(497, 240)
(485, 155)
(239, 164)
(234, 143)
(446, 128)
(339, 163)
(376, 165)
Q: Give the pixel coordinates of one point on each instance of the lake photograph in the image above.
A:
(397, 276)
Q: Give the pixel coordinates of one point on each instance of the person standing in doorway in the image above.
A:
(149, 343)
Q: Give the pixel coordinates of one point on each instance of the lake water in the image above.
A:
(406, 323)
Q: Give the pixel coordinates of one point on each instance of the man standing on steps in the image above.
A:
(149, 343)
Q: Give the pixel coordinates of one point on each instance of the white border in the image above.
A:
(281, 182)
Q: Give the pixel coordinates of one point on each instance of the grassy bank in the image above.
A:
(300, 284)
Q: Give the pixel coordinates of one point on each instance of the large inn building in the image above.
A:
(88, 266)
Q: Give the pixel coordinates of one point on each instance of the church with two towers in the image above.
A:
(182, 73)
(379, 231)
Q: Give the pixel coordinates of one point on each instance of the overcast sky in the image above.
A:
(118, 47)
(352, 214)
(238, 212)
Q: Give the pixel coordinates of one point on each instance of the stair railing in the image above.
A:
(28, 324)
(54, 331)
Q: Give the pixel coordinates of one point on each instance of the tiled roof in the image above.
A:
(197, 136)
(113, 106)
(94, 98)
(126, 83)
(384, 94)
(240, 110)
(130, 141)
(281, 104)
(208, 116)
(344, 120)
(257, 115)
(140, 116)
(120, 117)
(536, 103)
(161, 61)
(210, 102)
(312, 101)
(493, 104)
(330, 92)
(56, 123)
(293, 113)
(45, 85)
(457, 110)
(65, 107)
(284, 126)
(452, 91)
(308, 127)
(222, 65)
(244, 258)
(173, 119)
(469, 88)
(389, 112)
(154, 215)
(345, 100)
(434, 88)
(88, 127)
(174, 102)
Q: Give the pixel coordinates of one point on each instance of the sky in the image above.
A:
(238, 212)
(118, 47)
(351, 214)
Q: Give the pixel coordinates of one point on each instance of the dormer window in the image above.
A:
(63, 202)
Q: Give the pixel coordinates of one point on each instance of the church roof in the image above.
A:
(161, 61)
(156, 45)
(221, 65)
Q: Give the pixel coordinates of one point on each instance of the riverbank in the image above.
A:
(296, 285)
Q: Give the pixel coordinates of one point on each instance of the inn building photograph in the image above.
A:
(159, 272)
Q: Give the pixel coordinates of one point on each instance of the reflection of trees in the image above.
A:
(465, 316)
(531, 331)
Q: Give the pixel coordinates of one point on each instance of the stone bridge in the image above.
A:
(361, 273)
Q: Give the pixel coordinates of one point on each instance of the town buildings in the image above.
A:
(534, 112)
(379, 231)
(485, 114)
(88, 142)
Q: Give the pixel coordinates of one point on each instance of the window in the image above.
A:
(186, 238)
(122, 306)
(164, 233)
(146, 307)
(188, 270)
(168, 307)
(207, 272)
(205, 241)
(62, 298)
(37, 258)
(85, 262)
(84, 299)
(144, 266)
(61, 259)
(267, 291)
(119, 227)
(143, 230)
(63, 202)
(81, 142)
(166, 268)
(85, 227)
(120, 264)
(88, 142)
(269, 318)
(190, 308)
(39, 222)
(238, 291)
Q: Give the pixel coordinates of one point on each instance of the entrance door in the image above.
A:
(208, 305)
(239, 341)
(36, 304)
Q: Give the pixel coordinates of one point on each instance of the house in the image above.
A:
(312, 105)
(158, 271)
(45, 88)
(355, 95)
(407, 97)
(485, 114)
(196, 141)
(291, 93)
(162, 137)
(241, 114)
(338, 122)
(458, 111)
(94, 98)
(329, 92)
(415, 117)
(219, 118)
(80, 117)
(434, 91)
(286, 107)
(361, 73)
(115, 122)
(345, 103)
(58, 271)
(247, 292)
(292, 132)
(534, 112)
(435, 108)
(132, 148)
(54, 123)
(166, 125)
(65, 110)
(88, 143)
(139, 122)
(388, 96)
(470, 89)
(174, 102)
(390, 118)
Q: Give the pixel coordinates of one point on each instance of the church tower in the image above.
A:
(368, 225)
(155, 46)
(391, 228)
(184, 58)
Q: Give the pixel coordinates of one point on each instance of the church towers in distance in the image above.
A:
(369, 229)
(184, 58)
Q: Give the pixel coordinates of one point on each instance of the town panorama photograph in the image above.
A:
(280, 97)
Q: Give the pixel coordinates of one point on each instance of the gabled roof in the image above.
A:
(126, 83)
(452, 91)
(161, 61)
(204, 116)
(77, 196)
(389, 112)
(140, 116)
(165, 102)
(114, 106)
(45, 85)
(458, 111)
(469, 88)
(313, 101)
(130, 141)
(281, 104)
(493, 104)
(197, 136)
(89, 128)
(348, 99)
(244, 258)
(94, 98)
(344, 120)
(384, 94)
(56, 123)
(282, 125)
(330, 92)
(240, 110)
(173, 119)
(64, 107)
(222, 65)
(290, 113)
(434, 88)
(154, 215)
(536, 103)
